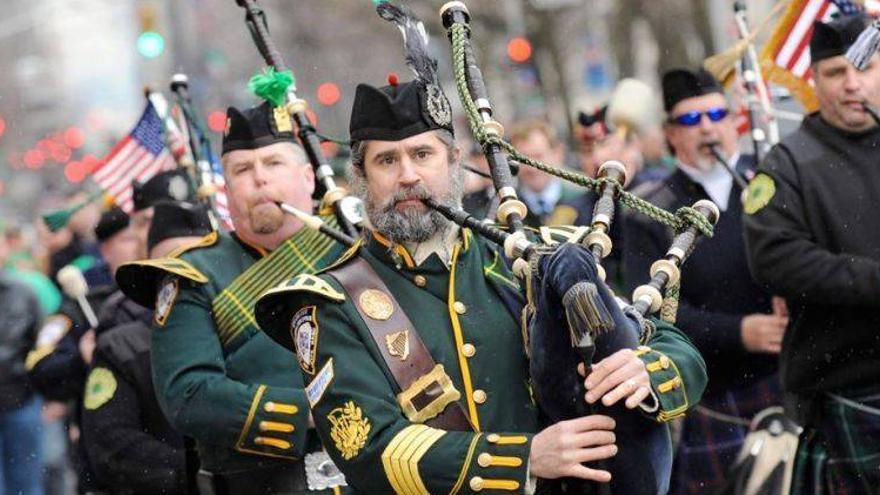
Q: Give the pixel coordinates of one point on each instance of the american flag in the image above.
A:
(140, 155)
(786, 56)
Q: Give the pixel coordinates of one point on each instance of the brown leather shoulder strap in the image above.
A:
(424, 384)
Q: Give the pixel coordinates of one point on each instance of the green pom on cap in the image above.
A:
(271, 85)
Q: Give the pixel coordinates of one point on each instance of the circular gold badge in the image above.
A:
(376, 304)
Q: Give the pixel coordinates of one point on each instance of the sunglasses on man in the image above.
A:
(690, 119)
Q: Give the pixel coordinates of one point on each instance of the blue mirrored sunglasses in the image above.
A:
(691, 119)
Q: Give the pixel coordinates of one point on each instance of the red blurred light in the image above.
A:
(217, 121)
(329, 148)
(519, 49)
(75, 171)
(34, 158)
(2, 126)
(91, 163)
(329, 94)
(60, 154)
(74, 137)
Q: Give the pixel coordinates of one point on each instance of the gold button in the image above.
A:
(476, 483)
(479, 396)
(493, 437)
(484, 459)
(676, 382)
(468, 350)
(664, 362)
(459, 307)
(420, 280)
(643, 348)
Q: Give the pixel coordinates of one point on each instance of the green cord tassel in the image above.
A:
(271, 85)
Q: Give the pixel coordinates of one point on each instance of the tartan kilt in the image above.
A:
(839, 452)
(709, 446)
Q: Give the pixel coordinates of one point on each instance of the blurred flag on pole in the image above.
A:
(785, 59)
(140, 155)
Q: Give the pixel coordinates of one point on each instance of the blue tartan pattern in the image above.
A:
(709, 446)
(839, 454)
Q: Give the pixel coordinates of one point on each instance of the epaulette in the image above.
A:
(344, 257)
(307, 283)
(173, 266)
(555, 234)
(206, 241)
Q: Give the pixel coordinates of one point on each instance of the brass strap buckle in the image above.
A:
(428, 396)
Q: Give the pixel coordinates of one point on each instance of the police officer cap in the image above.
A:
(834, 38)
(112, 221)
(178, 219)
(171, 185)
(398, 111)
(256, 127)
(681, 84)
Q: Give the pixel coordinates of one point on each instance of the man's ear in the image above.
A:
(456, 154)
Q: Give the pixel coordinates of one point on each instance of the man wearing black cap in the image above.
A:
(131, 446)
(812, 237)
(725, 313)
(441, 403)
(58, 364)
(218, 378)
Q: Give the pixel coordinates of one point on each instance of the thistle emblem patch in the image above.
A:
(349, 429)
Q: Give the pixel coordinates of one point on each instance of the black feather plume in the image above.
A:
(415, 41)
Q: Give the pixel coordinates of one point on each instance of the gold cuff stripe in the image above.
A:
(272, 442)
(654, 367)
(35, 356)
(508, 485)
(488, 460)
(250, 417)
(401, 457)
(669, 385)
(466, 464)
(280, 408)
(276, 426)
(678, 411)
(500, 440)
(642, 350)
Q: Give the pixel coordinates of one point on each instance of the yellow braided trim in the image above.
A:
(401, 457)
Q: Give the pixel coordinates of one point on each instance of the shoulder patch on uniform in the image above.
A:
(759, 193)
(100, 388)
(563, 215)
(174, 266)
(165, 300)
(304, 333)
(55, 327)
(349, 429)
(309, 283)
(209, 240)
(316, 388)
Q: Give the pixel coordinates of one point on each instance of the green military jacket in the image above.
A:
(459, 313)
(218, 378)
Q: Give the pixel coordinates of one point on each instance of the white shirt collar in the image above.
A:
(717, 182)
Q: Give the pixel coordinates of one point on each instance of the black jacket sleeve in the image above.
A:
(786, 259)
(120, 451)
(712, 332)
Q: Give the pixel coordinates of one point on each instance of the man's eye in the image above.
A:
(388, 160)
(421, 155)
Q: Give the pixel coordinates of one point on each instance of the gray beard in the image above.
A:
(410, 225)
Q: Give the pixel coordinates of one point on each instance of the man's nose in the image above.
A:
(851, 82)
(408, 175)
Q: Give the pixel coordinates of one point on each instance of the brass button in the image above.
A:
(459, 307)
(484, 459)
(676, 382)
(468, 350)
(476, 483)
(420, 280)
(493, 437)
(479, 396)
(643, 348)
(664, 362)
